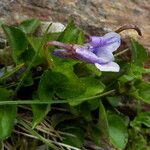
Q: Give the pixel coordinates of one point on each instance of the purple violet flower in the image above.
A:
(98, 51)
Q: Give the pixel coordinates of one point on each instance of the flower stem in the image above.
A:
(15, 102)
(56, 43)
(122, 52)
(92, 97)
(26, 102)
(129, 26)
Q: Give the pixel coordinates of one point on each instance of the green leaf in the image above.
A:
(17, 40)
(5, 94)
(7, 118)
(71, 34)
(28, 55)
(70, 89)
(57, 118)
(7, 114)
(50, 83)
(86, 70)
(58, 83)
(34, 41)
(126, 78)
(93, 86)
(84, 110)
(139, 53)
(136, 71)
(103, 122)
(45, 92)
(117, 131)
(140, 90)
(29, 26)
(141, 118)
(76, 138)
(39, 112)
(28, 81)
(81, 38)
(44, 56)
(114, 101)
(95, 134)
(72, 86)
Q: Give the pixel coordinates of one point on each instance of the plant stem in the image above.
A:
(60, 44)
(129, 26)
(93, 97)
(122, 52)
(15, 102)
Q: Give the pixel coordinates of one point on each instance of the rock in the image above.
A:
(94, 16)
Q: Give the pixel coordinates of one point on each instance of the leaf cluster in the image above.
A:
(106, 109)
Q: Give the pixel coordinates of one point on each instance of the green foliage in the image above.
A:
(7, 120)
(29, 26)
(95, 105)
(117, 131)
(136, 141)
(139, 53)
(5, 94)
(141, 90)
(39, 112)
(17, 41)
(92, 87)
(7, 114)
(72, 34)
(103, 122)
(76, 137)
(143, 118)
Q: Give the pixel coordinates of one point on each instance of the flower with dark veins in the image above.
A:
(98, 51)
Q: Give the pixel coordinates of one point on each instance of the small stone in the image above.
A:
(55, 27)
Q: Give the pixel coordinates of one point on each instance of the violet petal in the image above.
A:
(110, 41)
(88, 56)
(105, 54)
(113, 41)
(111, 67)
